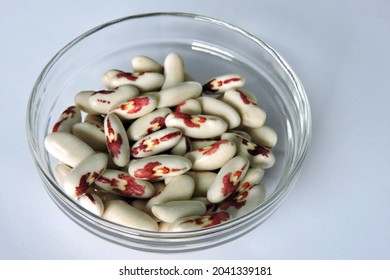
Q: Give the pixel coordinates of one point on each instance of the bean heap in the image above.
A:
(158, 151)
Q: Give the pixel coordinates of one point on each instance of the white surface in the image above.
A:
(340, 207)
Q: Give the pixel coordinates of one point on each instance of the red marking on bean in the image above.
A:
(228, 186)
(209, 150)
(214, 218)
(178, 107)
(257, 150)
(160, 121)
(147, 172)
(113, 146)
(227, 81)
(170, 136)
(245, 185)
(144, 147)
(84, 184)
(132, 188)
(103, 92)
(189, 120)
(236, 202)
(244, 98)
(129, 76)
(103, 101)
(134, 105)
(69, 113)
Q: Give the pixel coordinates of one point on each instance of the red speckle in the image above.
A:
(209, 219)
(156, 124)
(216, 218)
(209, 150)
(103, 92)
(129, 76)
(147, 172)
(236, 202)
(189, 120)
(145, 147)
(245, 185)
(134, 105)
(85, 181)
(68, 113)
(170, 136)
(178, 107)
(113, 140)
(256, 150)
(103, 101)
(244, 98)
(228, 186)
(131, 188)
(154, 170)
(57, 126)
(227, 81)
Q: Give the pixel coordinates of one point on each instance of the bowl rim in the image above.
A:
(278, 194)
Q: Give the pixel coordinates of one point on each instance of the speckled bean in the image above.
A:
(67, 148)
(156, 142)
(67, 120)
(143, 81)
(196, 126)
(116, 140)
(212, 157)
(121, 183)
(84, 174)
(228, 178)
(103, 101)
(223, 83)
(159, 167)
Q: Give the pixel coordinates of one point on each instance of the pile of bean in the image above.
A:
(158, 151)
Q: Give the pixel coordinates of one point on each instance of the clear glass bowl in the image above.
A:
(210, 47)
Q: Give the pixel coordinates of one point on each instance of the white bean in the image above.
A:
(120, 212)
(173, 70)
(215, 107)
(141, 63)
(67, 148)
(92, 134)
(173, 210)
(176, 94)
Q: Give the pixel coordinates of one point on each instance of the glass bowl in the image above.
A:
(210, 47)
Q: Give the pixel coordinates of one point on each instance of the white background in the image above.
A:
(340, 206)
